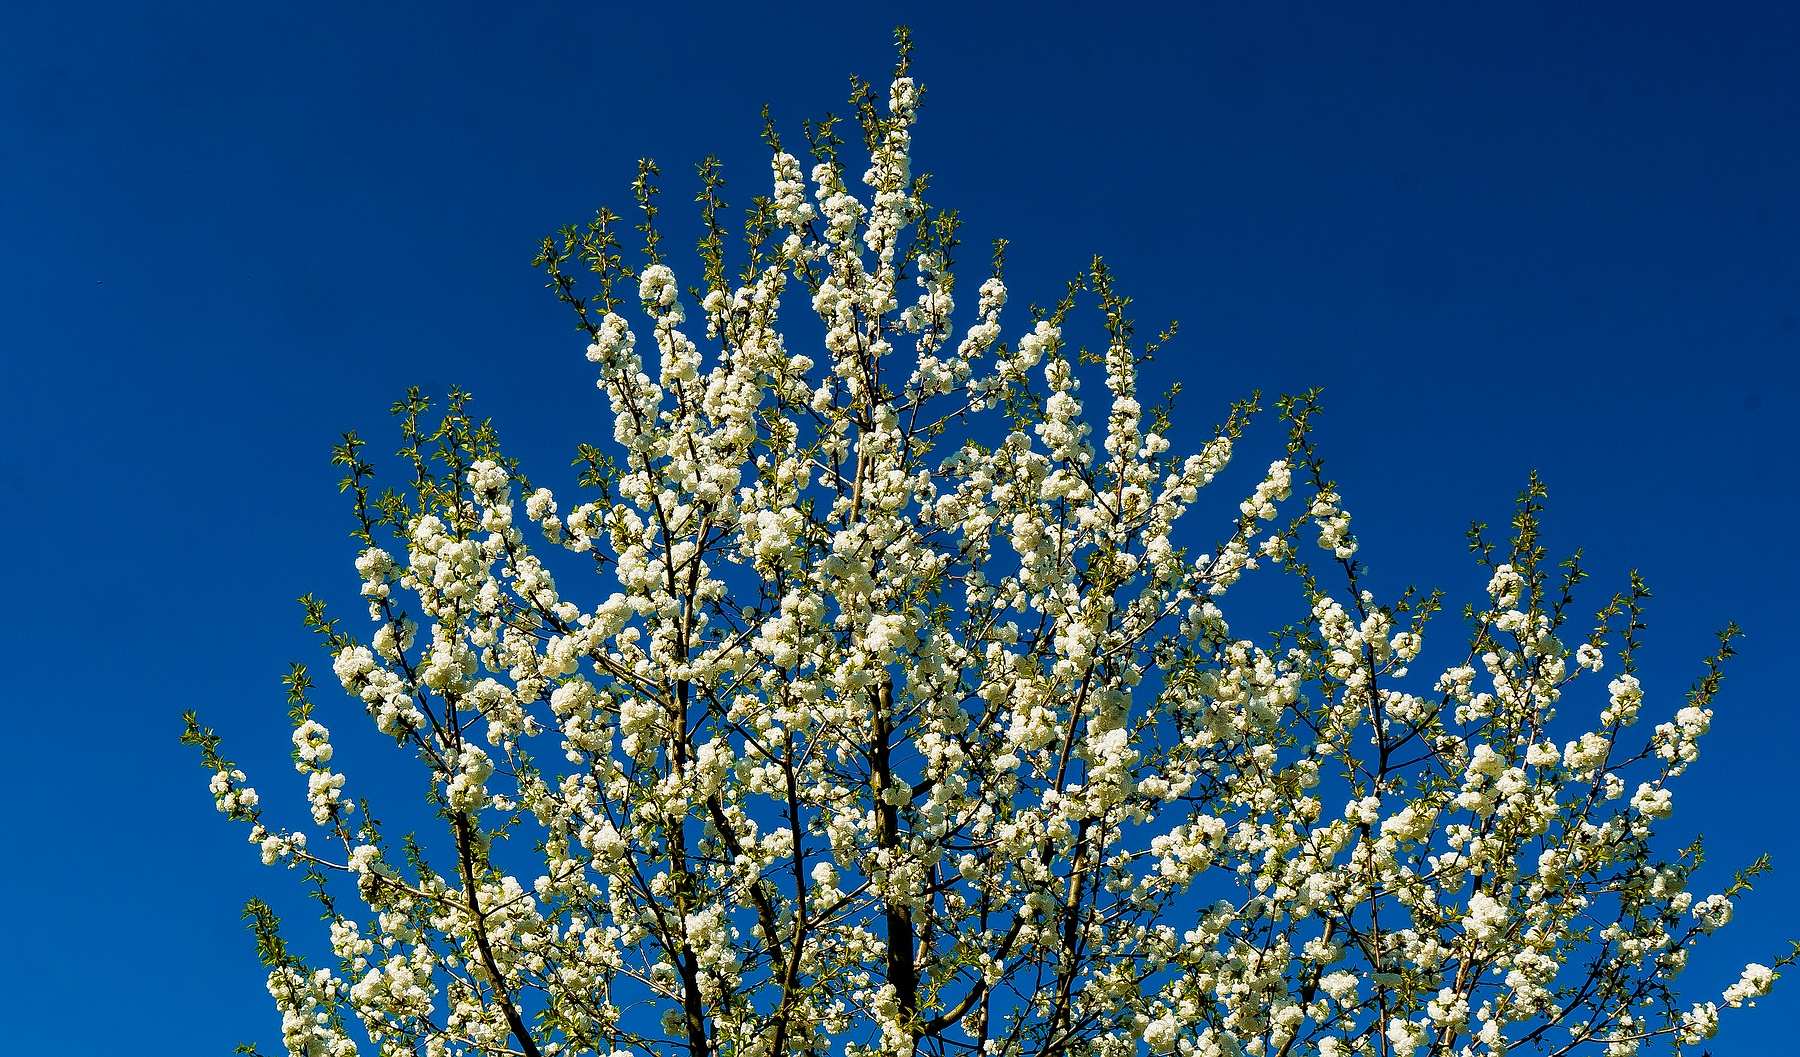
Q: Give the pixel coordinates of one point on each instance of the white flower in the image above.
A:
(1341, 986)
(1162, 1033)
(1713, 912)
(1505, 587)
(1756, 982)
(1486, 917)
(1700, 1023)
(1653, 801)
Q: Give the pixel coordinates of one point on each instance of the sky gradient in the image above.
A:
(1561, 237)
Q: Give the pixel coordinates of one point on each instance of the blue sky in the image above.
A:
(1552, 236)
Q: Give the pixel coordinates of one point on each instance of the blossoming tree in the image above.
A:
(908, 718)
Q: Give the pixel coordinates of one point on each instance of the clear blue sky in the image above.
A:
(1561, 236)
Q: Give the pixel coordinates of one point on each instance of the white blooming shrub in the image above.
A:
(907, 716)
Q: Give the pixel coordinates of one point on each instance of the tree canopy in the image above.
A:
(907, 717)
